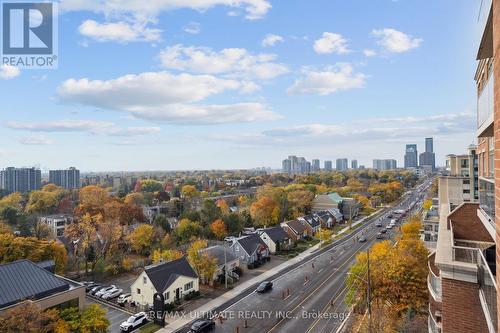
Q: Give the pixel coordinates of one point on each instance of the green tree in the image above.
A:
(187, 230)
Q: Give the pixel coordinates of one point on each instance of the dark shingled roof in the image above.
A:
(218, 253)
(277, 234)
(296, 226)
(251, 243)
(164, 274)
(23, 279)
(313, 221)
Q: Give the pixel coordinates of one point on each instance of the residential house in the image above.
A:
(24, 280)
(296, 230)
(326, 201)
(250, 249)
(330, 217)
(311, 222)
(56, 223)
(173, 279)
(225, 260)
(276, 239)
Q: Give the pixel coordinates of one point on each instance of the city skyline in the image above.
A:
(245, 115)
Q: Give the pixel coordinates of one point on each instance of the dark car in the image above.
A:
(96, 289)
(389, 216)
(379, 235)
(264, 286)
(383, 231)
(202, 325)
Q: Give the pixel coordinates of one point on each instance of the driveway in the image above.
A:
(115, 316)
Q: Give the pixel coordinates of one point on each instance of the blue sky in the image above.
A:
(201, 84)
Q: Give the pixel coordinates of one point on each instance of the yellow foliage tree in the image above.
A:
(141, 239)
(165, 255)
(218, 228)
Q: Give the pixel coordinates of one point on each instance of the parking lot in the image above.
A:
(114, 315)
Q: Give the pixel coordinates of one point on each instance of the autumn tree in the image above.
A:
(210, 212)
(218, 228)
(92, 319)
(135, 198)
(187, 230)
(223, 206)
(165, 255)
(204, 265)
(265, 212)
(300, 202)
(141, 239)
(27, 318)
(151, 186)
(189, 192)
(427, 204)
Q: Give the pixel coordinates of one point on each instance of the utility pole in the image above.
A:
(369, 293)
(225, 265)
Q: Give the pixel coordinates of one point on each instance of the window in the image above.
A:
(466, 191)
(138, 291)
(167, 295)
(464, 163)
(144, 280)
(188, 286)
(466, 181)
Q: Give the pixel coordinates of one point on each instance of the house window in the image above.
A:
(188, 286)
(138, 291)
(144, 280)
(167, 295)
(237, 248)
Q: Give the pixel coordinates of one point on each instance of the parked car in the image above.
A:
(123, 298)
(89, 287)
(134, 321)
(104, 290)
(112, 294)
(264, 286)
(96, 289)
(202, 325)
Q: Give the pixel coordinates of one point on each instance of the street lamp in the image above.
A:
(368, 287)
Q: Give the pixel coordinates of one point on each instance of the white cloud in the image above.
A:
(193, 28)
(328, 81)
(271, 40)
(331, 43)
(37, 140)
(8, 72)
(162, 96)
(121, 32)
(139, 10)
(396, 41)
(90, 126)
(233, 62)
(369, 53)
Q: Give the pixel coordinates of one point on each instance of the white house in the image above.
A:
(56, 223)
(250, 249)
(174, 279)
(276, 239)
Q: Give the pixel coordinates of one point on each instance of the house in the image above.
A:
(225, 258)
(326, 201)
(56, 223)
(276, 239)
(311, 222)
(173, 279)
(350, 208)
(250, 249)
(24, 280)
(330, 217)
(296, 230)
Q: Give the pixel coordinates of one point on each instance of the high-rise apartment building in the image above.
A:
(411, 156)
(20, 179)
(328, 165)
(315, 165)
(295, 165)
(386, 164)
(427, 159)
(341, 164)
(354, 164)
(463, 271)
(68, 179)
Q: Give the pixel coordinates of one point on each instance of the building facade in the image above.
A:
(427, 159)
(386, 164)
(341, 164)
(328, 165)
(354, 164)
(315, 165)
(20, 179)
(411, 156)
(68, 179)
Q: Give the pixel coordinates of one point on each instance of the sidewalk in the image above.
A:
(180, 322)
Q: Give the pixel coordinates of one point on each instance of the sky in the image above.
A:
(227, 84)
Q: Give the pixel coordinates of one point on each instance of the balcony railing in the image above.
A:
(434, 285)
(434, 327)
(487, 198)
(487, 292)
(465, 254)
(485, 103)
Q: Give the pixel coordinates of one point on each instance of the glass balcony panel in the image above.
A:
(485, 103)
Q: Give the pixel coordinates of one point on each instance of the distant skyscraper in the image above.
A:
(295, 165)
(387, 164)
(354, 164)
(341, 164)
(411, 156)
(315, 165)
(428, 159)
(20, 179)
(328, 165)
(68, 179)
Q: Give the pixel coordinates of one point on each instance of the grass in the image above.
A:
(149, 328)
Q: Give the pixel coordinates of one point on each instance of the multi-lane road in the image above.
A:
(309, 297)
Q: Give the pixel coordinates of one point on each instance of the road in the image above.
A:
(308, 297)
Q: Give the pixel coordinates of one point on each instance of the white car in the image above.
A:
(112, 294)
(104, 290)
(124, 298)
(134, 321)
